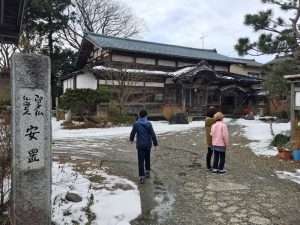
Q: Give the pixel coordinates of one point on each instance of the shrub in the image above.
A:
(4, 105)
(169, 110)
(84, 97)
(86, 125)
(179, 118)
(282, 115)
(280, 140)
(116, 117)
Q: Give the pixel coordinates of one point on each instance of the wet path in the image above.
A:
(181, 191)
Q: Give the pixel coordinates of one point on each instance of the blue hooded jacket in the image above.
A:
(145, 134)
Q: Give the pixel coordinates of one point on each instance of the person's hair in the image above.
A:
(211, 112)
(143, 113)
(218, 116)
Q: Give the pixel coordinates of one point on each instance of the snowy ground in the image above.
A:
(111, 196)
(113, 207)
(107, 196)
(108, 199)
(259, 133)
(160, 127)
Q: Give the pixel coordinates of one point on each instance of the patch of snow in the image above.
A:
(164, 205)
(110, 204)
(289, 175)
(182, 71)
(160, 127)
(227, 77)
(131, 70)
(259, 133)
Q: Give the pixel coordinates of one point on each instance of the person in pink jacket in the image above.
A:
(220, 140)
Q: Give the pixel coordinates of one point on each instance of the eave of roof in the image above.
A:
(249, 62)
(131, 45)
(223, 76)
(190, 71)
(291, 77)
(11, 15)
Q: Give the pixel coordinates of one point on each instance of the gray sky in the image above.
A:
(183, 22)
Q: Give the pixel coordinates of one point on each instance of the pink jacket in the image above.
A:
(219, 134)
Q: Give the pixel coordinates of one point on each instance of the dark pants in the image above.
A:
(143, 160)
(208, 157)
(219, 160)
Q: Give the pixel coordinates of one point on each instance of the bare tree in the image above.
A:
(26, 45)
(32, 44)
(125, 82)
(5, 158)
(6, 51)
(107, 17)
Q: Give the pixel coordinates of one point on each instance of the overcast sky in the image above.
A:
(184, 22)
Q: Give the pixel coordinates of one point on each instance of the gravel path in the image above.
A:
(181, 191)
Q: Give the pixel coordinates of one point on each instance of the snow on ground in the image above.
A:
(159, 127)
(111, 197)
(109, 202)
(289, 175)
(259, 133)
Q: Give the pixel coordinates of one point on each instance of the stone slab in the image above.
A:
(31, 128)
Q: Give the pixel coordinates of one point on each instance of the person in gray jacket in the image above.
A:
(145, 135)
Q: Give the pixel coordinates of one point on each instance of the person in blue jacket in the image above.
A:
(145, 135)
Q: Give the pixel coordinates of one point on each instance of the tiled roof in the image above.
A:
(219, 75)
(131, 45)
(224, 75)
(279, 59)
(189, 71)
(249, 62)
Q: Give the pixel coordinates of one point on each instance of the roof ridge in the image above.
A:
(151, 42)
(244, 59)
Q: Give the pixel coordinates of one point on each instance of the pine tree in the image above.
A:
(43, 19)
(278, 35)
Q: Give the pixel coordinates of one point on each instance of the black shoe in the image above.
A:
(222, 171)
(141, 180)
(147, 175)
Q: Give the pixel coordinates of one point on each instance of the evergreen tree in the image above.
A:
(275, 83)
(278, 35)
(43, 19)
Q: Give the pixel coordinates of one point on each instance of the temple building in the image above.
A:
(156, 75)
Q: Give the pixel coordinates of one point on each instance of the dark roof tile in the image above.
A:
(132, 45)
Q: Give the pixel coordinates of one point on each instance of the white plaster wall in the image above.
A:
(238, 69)
(65, 85)
(115, 82)
(221, 68)
(181, 64)
(122, 58)
(86, 80)
(154, 84)
(68, 84)
(166, 63)
(145, 61)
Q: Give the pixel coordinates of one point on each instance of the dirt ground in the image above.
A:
(181, 191)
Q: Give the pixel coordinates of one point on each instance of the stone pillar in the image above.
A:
(68, 116)
(31, 130)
